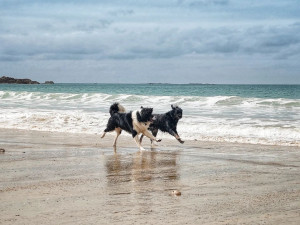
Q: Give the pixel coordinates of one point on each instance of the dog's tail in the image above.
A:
(116, 108)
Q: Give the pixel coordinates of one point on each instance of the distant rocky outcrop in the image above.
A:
(10, 80)
(49, 82)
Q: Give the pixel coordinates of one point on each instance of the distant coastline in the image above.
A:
(11, 80)
(180, 84)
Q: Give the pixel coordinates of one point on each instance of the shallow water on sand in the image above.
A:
(49, 178)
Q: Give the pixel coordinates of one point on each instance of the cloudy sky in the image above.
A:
(127, 41)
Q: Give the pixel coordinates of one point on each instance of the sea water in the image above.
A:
(257, 114)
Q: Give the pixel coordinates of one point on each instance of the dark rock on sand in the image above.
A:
(2, 150)
(11, 80)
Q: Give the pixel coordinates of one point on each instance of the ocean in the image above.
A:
(256, 114)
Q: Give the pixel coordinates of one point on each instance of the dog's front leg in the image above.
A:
(175, 134)
(137, 140)
(141, 139)
(179, 139)
(149, 135)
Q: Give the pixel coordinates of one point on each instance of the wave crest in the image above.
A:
(218, 118)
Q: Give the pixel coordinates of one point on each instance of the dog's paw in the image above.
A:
(181, 141)
(142, 149)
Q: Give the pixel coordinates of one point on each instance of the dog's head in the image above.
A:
(146, 115)
(176, 112)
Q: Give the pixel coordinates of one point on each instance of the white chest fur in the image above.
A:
(138, 126)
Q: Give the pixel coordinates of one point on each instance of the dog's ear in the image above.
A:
(174, 106)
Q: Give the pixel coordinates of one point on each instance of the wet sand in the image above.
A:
(56, 178)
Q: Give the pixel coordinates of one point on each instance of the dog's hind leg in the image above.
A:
(118, 131)
(109, 128)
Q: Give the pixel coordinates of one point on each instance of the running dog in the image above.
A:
(134, 122)
(166, 122)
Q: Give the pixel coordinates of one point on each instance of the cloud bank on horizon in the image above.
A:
(176, 41)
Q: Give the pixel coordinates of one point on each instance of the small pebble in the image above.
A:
(176, 192)
(2, 150)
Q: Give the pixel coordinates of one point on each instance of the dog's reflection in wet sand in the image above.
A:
(151, 167)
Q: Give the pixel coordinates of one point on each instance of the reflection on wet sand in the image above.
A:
(142, 169)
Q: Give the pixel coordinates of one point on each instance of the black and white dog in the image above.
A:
(166, 122)
(134, 122)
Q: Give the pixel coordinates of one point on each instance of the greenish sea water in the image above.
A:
(256, 91)
(258, 114)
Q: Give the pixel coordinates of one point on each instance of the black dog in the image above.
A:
(135, 122)
(167, 122)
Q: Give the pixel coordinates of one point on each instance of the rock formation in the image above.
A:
(49, 82)
(10, 80)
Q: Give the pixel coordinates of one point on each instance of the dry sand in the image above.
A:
(57, 178)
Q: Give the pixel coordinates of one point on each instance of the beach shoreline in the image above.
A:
(64, 178)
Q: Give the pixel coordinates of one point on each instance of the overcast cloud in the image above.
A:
(177, 41)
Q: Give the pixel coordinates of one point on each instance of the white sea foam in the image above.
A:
(218, 118)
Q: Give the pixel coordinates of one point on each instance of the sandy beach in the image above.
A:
(59, 178)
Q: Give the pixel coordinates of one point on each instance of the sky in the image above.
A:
(159, 41)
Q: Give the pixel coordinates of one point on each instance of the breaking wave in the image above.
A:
(219, 118)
